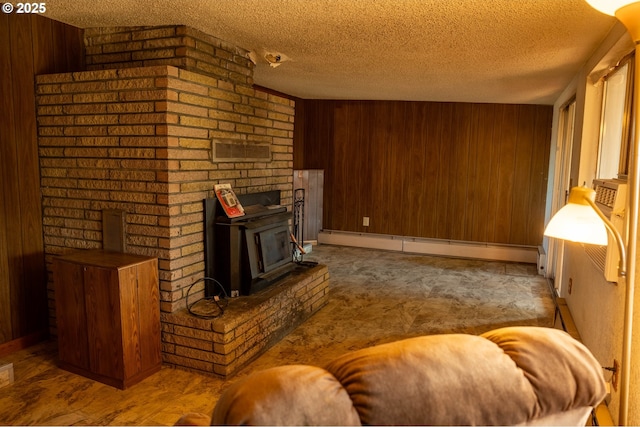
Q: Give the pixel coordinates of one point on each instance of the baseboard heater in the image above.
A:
(452, 248)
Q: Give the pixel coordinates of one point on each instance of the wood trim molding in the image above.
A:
(21, 343)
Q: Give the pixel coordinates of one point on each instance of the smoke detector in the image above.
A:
(275, 59)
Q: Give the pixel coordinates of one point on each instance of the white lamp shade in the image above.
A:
(577, 223)
(609, 6)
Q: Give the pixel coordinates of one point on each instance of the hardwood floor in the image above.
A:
(375, 297)
(43, 394)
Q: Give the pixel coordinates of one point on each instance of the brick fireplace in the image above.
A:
(161, 115)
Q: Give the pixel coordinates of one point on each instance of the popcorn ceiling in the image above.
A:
(504, 51)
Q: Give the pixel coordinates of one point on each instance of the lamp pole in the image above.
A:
(629, 15)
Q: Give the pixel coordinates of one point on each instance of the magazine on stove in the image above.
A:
(228, 200)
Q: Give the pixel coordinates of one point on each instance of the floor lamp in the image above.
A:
(587, 224)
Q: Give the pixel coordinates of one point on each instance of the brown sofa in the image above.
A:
(509, 376)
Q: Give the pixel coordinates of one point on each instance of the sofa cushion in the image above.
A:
(562, 371)
(286, 395)
(439, 380)
(507, 376)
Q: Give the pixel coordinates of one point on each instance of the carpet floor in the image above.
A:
(375, 297)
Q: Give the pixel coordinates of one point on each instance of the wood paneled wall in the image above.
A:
(455, 171)
(31, 45)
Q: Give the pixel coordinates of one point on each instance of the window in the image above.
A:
(613, 159)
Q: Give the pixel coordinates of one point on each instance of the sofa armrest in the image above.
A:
(286, 395)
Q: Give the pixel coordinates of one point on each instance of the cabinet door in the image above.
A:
(104, 330)
(129, 307)
(148, 294)
(71, 317)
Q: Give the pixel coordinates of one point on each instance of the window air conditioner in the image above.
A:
(611, 198)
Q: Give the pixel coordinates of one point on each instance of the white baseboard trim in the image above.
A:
(451, 248)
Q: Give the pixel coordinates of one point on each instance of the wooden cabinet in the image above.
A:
(108, 316)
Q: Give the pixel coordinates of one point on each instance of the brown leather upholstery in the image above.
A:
(517, 375)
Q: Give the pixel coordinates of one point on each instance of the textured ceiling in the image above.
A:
(511, 51)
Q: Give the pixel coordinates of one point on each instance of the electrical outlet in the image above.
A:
(365, 221)
(615, 378)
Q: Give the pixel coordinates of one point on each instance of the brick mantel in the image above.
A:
(139, 139)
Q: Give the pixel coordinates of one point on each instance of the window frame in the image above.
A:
(626, 131)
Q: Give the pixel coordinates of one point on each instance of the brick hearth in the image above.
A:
(249, 326)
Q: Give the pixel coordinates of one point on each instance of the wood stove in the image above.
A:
(248, 253)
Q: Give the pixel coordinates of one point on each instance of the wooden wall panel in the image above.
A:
(6, 178)
(506, 171)
(361, 156)
(486, 158)
(28, 237)
(522, 173)
(415, 180)
(440, 207)
(31, 45)
(459, 167)
(433, 146)
(454, 171)
(340, 173)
